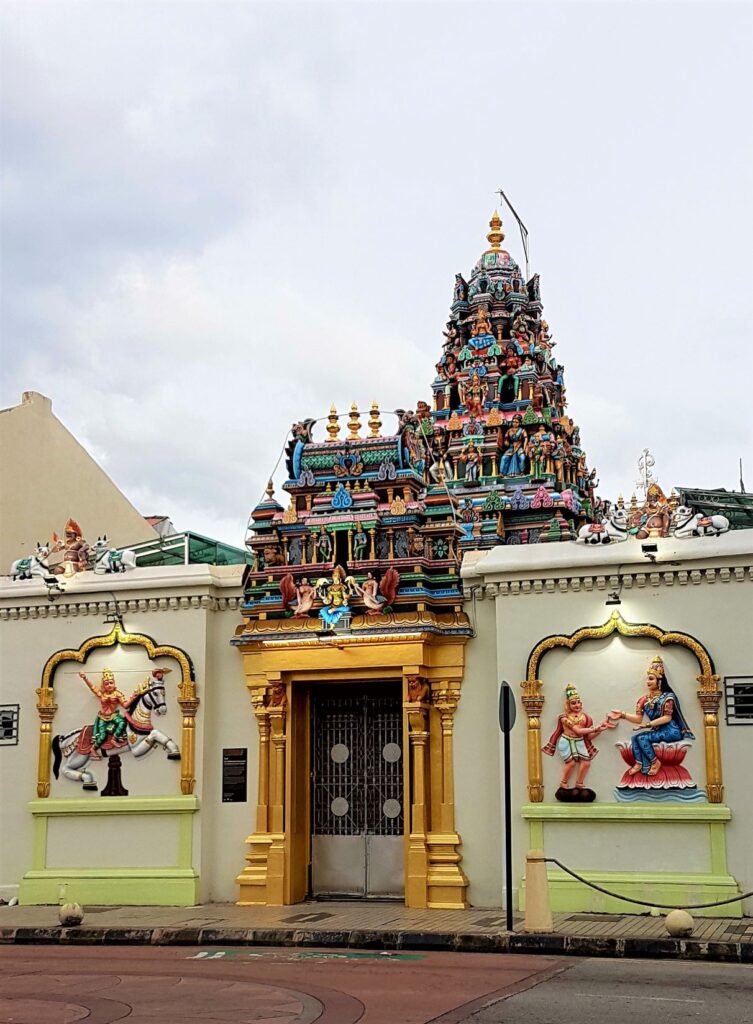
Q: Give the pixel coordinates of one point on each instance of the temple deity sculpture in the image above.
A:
(360, 543)
(471, 458)
(473, 394)
(75, 550)
(514, 459)
(664, 721)
(572, 740)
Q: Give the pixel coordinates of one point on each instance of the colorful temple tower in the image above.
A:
(355, 629)
(500, 438)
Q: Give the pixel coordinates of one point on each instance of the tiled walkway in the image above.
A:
(369, 916)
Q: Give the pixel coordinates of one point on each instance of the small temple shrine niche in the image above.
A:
(500, 436)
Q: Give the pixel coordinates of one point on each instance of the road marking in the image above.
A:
(651, 999)
(221, 954)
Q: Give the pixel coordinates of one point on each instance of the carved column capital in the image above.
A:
(46, 705)
(446, 697)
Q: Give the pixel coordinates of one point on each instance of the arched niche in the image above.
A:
(187, 699)
(709, 694)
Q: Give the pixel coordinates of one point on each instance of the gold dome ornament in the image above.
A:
(333, 424)
(496, 235)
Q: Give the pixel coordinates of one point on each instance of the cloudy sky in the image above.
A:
(221, 217)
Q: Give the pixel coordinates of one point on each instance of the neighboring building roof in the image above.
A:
(187, 548)
(49, 477)
(737, 506)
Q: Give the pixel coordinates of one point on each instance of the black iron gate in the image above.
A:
(357, 790)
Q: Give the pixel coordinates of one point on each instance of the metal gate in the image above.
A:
(357, 791)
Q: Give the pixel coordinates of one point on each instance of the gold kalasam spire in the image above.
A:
(270, 491)
(496, 236)
(374, 421)
(333, 424)
(354, 423)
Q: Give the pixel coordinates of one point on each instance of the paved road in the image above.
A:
(63, 985)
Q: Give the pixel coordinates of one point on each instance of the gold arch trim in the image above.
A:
(616, 624)
(709, 694)
(187, 698)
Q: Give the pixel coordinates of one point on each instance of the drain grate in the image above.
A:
(306, 918)
(595, 918)
(497, 922)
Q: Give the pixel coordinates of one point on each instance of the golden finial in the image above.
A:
(270, 491)
(496, 236)
(354, 423)
(374, 421)
(333, 424)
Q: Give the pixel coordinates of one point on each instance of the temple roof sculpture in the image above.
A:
(376, 523)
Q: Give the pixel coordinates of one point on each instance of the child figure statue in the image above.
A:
(572, 740)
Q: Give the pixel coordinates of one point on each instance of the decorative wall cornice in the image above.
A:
(61, 609)
(628, 580)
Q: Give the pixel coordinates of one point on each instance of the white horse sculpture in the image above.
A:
(142, 737)
(687, 523)
(107, 560)
(610, 531)
(33, 565)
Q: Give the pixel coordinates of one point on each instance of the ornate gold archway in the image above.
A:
(187, 699)
(709, 694)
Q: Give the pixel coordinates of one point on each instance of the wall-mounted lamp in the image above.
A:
(613, 598)
(650, 551)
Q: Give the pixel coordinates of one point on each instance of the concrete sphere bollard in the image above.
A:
(70, 914)
(679, 923)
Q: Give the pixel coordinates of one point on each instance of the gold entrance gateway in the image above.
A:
(353, 652)
(341, 811)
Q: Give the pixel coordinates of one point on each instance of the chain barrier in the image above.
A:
(641, 903)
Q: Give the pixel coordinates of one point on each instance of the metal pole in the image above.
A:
(508, 816)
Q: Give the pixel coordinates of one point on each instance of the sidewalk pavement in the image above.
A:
(381, 925)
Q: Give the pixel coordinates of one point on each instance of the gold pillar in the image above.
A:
(447, 885)
(277, 807)
(46, 707)
(263, 880)
(262, 721)
(533, 702)
(188, 707)
(709, 697)
(350, 545)
(372, 547)
(417, 867)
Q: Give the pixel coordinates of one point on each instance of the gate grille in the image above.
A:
(357, 779)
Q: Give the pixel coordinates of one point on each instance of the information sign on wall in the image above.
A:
(234, 775)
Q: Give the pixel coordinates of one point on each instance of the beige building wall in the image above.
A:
(703, 587)
(48, 477)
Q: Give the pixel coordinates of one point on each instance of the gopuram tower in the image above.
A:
(355, 624)
(500, 437)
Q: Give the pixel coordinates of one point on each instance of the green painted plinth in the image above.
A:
(670, 888)
(567, 895)
(173, 885)
(124, 887)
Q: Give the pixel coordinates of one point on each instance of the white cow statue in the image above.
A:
(32, 565)
(687, 523)
(107, 560)
(611, 530)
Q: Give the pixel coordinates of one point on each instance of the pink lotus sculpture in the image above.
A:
(671, 775)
